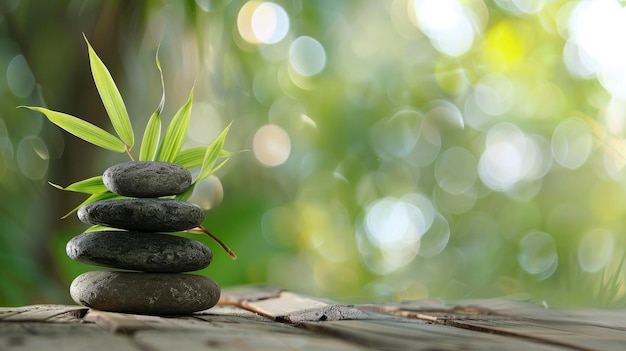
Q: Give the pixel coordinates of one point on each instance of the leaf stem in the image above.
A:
(127, 149)
(202, 229)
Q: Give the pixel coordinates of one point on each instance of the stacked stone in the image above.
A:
(158, 285)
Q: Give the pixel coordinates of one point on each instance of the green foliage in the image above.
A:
(150, 140)
(175, 134)
(111, 98)
(194, 156)
(82, 129)
(212, 154)
(93, 185)
(93, 198)
(305, 224)
(169, 150)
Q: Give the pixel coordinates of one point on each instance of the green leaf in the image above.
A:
(214, 169)
(187, 194)
(150, 140)
(93, 185)
(212, 154)
(111, 98)
(175, 134)
(82, 129)
(193, 157)
(97, 227)
(94, 198)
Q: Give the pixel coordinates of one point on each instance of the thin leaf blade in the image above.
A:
(150, 140)
(97, 228)
(151, 135)
(193, 157)
(93, 185)
(212, 154)
(93, 198)
(219, 165)
(187, 194)
(82, 129)
(175, 134)
(111, 98)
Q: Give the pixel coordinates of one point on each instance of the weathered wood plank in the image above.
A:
(575, 336)
(39, 313)
(514, 319)
(407, 335)
(237, 340)
(292, 308)
(37, 336)
(231, 311)
(614, 319)
(235, 296)
(270, 318)
(116, 322)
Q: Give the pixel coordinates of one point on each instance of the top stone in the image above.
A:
(146, 179)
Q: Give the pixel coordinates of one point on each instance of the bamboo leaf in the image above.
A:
(211, 155)
(97, 227)
(175, 134)
(214, 169)
(187, 194)
(82, 129)
(93, 198)
(111, 98)
(150, 139)
(151, 135)
(93, 185)
(193, 157)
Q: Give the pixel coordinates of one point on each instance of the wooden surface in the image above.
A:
(265, 318)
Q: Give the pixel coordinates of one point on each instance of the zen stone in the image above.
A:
(148, 252)
(145, 293)
(147, 179)
(145, 215)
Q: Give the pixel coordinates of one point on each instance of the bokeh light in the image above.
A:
(595, 26)
(595, 250)
(398, 149)
(538, 254)
(19, 77)
(260, 22)
(571, 143)
(271, 145)
(270, 23)
(32, 157)
(456, 170)
(208, 193)
(509, 157)
(447, 23)
(307, 56)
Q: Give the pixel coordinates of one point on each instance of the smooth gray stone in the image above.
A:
(139, 251)
(145, 293)
(147, 179)
(144, 215)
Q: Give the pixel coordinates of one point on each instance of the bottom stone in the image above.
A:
(145, 293)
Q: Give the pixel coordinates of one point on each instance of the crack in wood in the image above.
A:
(481, 329)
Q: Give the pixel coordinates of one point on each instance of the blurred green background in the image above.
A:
(395, 150)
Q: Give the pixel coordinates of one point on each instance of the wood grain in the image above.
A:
(268, 318)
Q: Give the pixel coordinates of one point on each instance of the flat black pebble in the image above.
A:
(140, 251)
(145, 293)
(147, 179)
(144, 215)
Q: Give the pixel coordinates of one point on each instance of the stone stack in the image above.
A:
(154, 282)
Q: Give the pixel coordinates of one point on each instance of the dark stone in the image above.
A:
(145, 293)
(147, 179)
(144, 215)
(140, 251)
